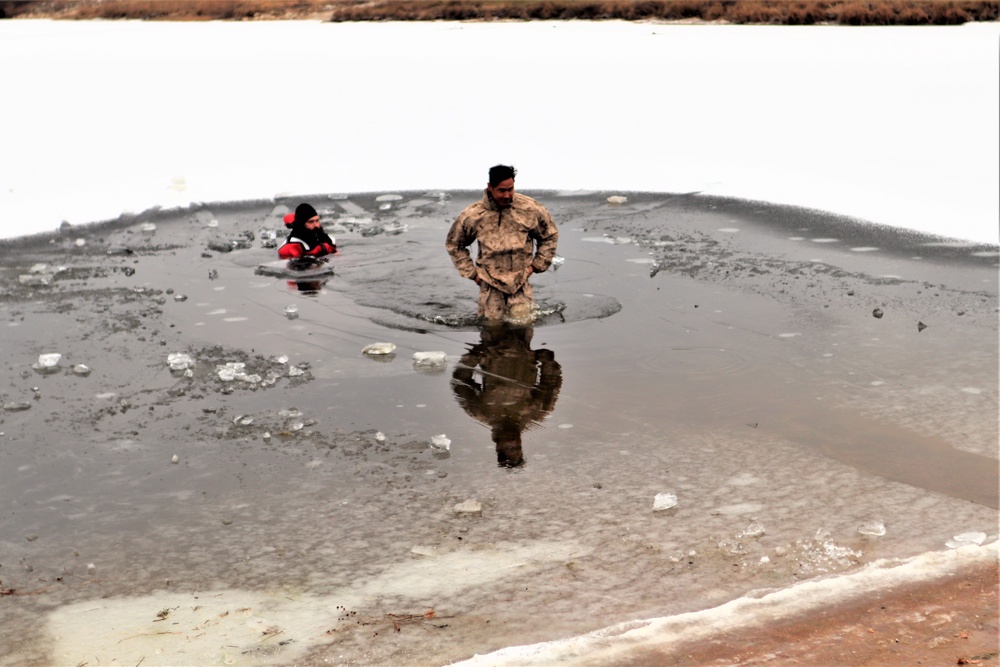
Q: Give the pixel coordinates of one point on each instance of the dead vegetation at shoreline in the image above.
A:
(770, 12)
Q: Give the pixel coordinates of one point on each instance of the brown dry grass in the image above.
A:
(783, 12)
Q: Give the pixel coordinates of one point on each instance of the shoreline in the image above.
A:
(937, 608)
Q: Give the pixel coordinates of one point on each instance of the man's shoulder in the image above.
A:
(475, 208)
(526, 203)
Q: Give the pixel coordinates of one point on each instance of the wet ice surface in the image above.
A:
(312, 510)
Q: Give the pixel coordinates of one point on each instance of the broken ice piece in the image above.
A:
(874, 528)
(380, 436)
(379, 348)
(755, 529)
(49, 360)
(617, 199)
(429, 359)
(175, 459)
(441, 443)
(178, 361)
(470, 506)
(82, 370)
(292, 311)
(966, 539)
(664, 501)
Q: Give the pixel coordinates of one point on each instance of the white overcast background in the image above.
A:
(896, 126)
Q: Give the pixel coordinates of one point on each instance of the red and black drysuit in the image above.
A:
(302, 242)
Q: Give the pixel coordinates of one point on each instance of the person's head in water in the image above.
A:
(507, 437)
(501, 184)
(306, 217)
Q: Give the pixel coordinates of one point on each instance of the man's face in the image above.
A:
(502, 192)
(312, 223)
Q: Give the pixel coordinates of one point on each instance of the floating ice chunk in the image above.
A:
(179, 298)
(81, 370)
(664, 501)
(971, 390)
(16, 406)
(875, 528)
(379, 348)
(175, 459)
(148, 227)
(178, 361)
(80, 243)
(292, 311)
(295, 371)
(385, 207)
(755, 529)
(558, 261)
(471, 506)
(290, 412)
(49, 360)
(441, 443)
(91, 568)
(380, 436)
(429, 359)
(34, 280)
(615, 200)
(966, 539)
(279, 359)
(381, 198)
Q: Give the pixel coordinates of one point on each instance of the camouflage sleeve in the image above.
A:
(457, 243)
(546, 238)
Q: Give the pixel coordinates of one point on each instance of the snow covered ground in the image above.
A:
(896, 126)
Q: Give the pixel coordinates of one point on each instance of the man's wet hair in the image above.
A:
(500, 173)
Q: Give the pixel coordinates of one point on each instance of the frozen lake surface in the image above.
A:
(721, 351)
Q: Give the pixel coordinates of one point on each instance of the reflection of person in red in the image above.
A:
(307, 238)
(507, 386)
(306, 286)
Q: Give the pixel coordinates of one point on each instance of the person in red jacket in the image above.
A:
(307, 238)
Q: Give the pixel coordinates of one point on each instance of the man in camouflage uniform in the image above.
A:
(516, 238)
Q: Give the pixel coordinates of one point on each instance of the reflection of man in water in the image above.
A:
(516, 238)
(506, 385)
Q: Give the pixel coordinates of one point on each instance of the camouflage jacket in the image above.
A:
(510, 240)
